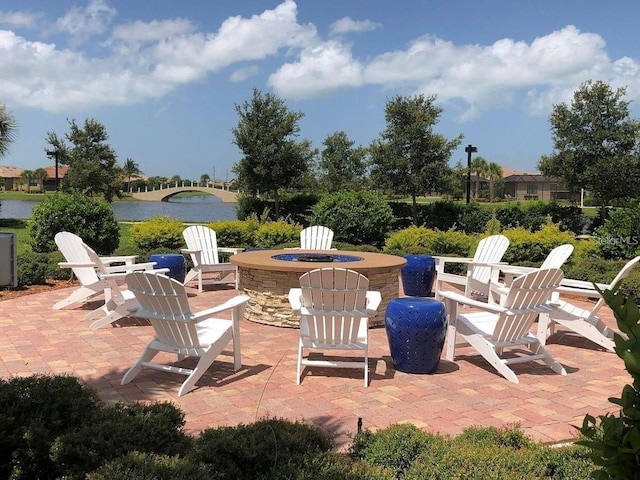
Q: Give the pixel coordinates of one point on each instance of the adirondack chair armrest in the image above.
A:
(126, 259)
(295, 299)
(374, 299)
(582, 284)
(228, 305)
(462, 300)
(133, 268)
(583, 292)
(76, 265)
(191, 250)
(231, 250)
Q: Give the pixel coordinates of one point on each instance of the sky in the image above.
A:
(165, 77)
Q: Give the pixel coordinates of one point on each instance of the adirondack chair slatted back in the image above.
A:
(557, 256)
(525, 300)
(336, 301)
(490, 250)
(165, 303)
(199, 237)
(70, 245)
(316, 237)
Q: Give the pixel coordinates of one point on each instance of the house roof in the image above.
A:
(51, 171)
(10, 172)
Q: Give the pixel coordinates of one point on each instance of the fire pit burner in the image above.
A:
(315, 257)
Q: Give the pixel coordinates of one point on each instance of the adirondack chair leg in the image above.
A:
(366, 368)
(190, 276)
(148, 355)
(485, 349)
(549, 360)
(299, 363)
(597, 332)
(452, 313)
(544, 328)
(81, 294)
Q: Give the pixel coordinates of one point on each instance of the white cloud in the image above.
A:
(19, 19)
(320, 70)
(156, 30)
(244, 73)
(90, 20)
(347, 25)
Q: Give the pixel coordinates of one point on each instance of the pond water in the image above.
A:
(188, 208)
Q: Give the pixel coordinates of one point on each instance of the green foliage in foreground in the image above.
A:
(54, 427)
(614, 440)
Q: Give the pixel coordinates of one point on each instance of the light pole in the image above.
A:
(54, 154)
(469, 149)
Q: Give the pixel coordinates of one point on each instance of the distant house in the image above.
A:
(50, 182)
(9, 177)
(534, 186)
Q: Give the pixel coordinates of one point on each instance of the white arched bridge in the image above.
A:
(163, 193)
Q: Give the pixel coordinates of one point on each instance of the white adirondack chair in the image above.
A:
(481, 269)
(555, 259)
(178, 330)
(202, 246)
(84, 269)
(496, 328)
(121, 302)
(316, 237)
(334, 306)
(584, 322)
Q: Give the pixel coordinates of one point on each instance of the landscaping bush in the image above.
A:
(357, 217)
(148, 466)
(33, 268)
(159, 234)
(395, 447)
(421, 240)
(118, 429)
(619, 237)
(235, 233)
(273, 234)
(259, 450)
(91, 219)
(296, 208)
(36, 411)
(533, 247)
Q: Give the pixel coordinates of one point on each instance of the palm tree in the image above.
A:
(494, 174)
(130, 168)
(8, 128)
(26, 176)
(40, 175)
(479, 167)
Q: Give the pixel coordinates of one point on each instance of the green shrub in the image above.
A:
(510, 436)
(359, 217)
(33, 268)
(334, 466)
(118, 429)
(149, 466)
(619, 237)
(36, 410)
(421, 240)
(53, 269)
(235, 233)
(159, 234)
(260, 449)
(394, 448)
(271, 234)
(91, 219)
(533, 247)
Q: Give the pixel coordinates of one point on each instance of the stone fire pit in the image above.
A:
(267, 275)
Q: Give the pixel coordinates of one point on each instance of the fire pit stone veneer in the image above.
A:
(266, 278)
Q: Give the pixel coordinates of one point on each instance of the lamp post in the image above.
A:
(54, 154)
(469, 149)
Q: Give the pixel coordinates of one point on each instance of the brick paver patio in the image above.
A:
(35, 339)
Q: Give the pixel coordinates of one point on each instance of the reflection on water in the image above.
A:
(196, 209)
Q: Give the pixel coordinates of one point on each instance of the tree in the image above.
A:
(409, 158)
(494, 175)
(273, 159)
(596, 144)
(130, 169)
(8, 129)
(204, 179)
(26, 176)
(342, 167)
(479, 166)
(93, 165)
(40, 175)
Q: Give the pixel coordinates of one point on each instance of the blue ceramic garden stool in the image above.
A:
(416, 328)
(174, 262)
(418, 275)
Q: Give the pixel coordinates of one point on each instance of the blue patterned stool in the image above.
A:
(416, 328)
(418, 275)
(174, 262)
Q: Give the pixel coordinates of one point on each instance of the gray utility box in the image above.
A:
(8, 260)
